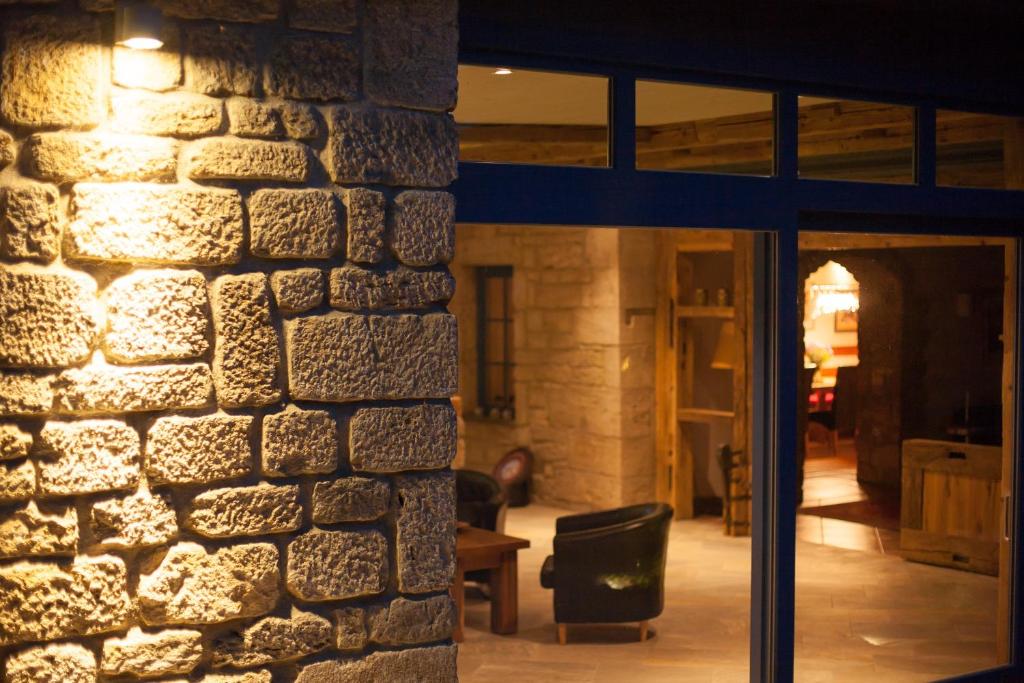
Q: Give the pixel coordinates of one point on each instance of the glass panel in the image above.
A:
(907, 346)
(979, 150)
(495, 335)
(623, 395)
(852, 140)
(512, 115)
(496, 385)
(681, 127)
(495, 286)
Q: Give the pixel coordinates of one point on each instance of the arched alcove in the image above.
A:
(876, 392)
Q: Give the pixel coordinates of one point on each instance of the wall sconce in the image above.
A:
(138, 25)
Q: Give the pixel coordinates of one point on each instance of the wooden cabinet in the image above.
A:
(951, 511)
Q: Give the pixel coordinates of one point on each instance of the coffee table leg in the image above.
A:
(459, 593)
(505, 595)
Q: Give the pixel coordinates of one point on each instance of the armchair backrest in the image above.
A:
(479, 500)
(610, 565)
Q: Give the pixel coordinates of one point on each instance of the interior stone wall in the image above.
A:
(225, 357)
(584, 369)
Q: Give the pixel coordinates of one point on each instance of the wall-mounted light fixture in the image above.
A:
(503, 71)
(138, 25)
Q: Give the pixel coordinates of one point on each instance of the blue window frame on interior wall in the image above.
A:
(783, 204)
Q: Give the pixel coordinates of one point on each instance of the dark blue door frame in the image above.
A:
(781, 205)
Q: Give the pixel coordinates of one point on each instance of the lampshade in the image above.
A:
(725, 349)
(138, 25)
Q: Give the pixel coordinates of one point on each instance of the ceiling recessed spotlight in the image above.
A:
(137, 25)
(503, 71)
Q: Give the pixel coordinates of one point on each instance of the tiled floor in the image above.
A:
(829, 480)
(861, 616)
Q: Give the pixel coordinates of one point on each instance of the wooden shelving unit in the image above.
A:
(682, 363)
(704, 414)
(722, 312)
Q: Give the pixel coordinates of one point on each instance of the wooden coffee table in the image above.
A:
(482, 549)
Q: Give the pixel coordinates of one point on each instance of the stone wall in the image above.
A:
(225, 358)
(584, 373)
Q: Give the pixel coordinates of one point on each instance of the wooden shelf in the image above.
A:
(724, 312)
(703, 414)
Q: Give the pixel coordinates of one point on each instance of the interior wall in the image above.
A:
(584, 368)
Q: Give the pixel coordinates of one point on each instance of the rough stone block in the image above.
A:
(23, 394)
(423, 228)
(228, 158)
(391, 147)
(335, 565)
(246, 362)
(237, 159)
(247, 677)
(299, 442)
(408, 622)
(67, 157)
(297, 291)
(31, 531)
(52, 663)
(7, 149)
(181, 114)
(245, 511)
(253, 119)
(222, 60)
(350, 631)
(87, 456)
(435, 664)
(52, 71)
(133, 223)
(255, 11)
(394, 438)
(426, 532)
(411, 52)
(358, 289)
(341, 357)
(314, 68)
(301, 121)
(101, 388)
(15, 443)
(139, 520)
(350, 499)
(46, 320)
(156, 315)
(335, 16)
(273, 639)
(150, 69)
(294, 224)
(31, 219)
(365, 225)
(46, 600)
(193, 586)
(141, 654)
(17, 481)
(185, 450)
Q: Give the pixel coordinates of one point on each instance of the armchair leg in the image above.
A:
(562, 636)
(643, 630)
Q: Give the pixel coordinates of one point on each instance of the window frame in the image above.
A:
(783, 204)
(483, 274)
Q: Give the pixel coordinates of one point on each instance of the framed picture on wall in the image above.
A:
(846, 321)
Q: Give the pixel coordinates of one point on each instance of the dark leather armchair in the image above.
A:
(609, 566)
(479, 500)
